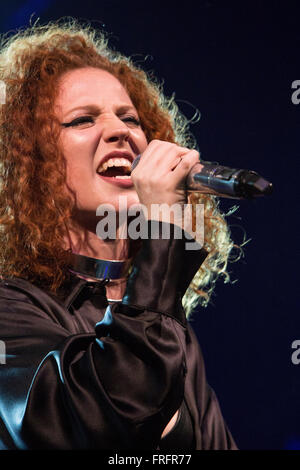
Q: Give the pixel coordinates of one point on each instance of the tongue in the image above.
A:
(113, 171)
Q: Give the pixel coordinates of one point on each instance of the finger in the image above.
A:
(186, 163)
(161, 156)
(146, 157)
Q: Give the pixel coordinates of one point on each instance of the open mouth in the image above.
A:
(119, 168)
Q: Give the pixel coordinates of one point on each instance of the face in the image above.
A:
(101, 135)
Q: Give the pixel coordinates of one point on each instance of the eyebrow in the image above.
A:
(94, 109)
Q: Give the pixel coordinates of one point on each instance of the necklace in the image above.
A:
(100, 268)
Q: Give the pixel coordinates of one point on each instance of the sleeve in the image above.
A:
(114, 389)
(215, 432)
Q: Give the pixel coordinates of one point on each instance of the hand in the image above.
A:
(159, 178)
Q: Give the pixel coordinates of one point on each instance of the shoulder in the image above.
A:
(22, 298)
(19, 289)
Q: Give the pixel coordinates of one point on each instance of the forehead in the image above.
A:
(90, 85)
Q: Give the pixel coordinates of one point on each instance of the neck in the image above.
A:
(87, 243)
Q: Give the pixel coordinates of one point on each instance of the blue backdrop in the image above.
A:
(236, 63)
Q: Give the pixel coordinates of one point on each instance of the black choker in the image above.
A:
(99, 268)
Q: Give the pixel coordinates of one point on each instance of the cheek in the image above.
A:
(140, 140)
(78, 150)
(85, 141)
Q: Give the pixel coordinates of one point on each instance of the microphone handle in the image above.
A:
(222, 181)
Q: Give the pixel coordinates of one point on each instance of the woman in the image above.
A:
(99, 351)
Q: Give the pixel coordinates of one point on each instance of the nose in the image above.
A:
(115, 130)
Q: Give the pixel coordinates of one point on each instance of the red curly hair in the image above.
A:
(34, 208)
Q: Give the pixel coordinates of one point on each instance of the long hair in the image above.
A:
(34, 208)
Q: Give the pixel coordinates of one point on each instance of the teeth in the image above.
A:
(123, 177)
(115, 162)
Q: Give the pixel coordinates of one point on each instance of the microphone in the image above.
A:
(222, 181)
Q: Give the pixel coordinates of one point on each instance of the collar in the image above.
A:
(98, 268)
(78, 290)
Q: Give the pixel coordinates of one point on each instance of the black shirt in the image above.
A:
(82, 374)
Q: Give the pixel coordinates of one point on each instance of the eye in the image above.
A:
(79, 121)
(131, 120)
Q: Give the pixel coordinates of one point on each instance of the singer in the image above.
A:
(99, 351)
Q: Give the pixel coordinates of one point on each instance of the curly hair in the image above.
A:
(34, 208)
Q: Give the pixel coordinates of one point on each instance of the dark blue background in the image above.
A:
(235, 62)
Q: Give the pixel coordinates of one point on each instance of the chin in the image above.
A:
(124, 200)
